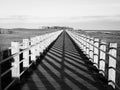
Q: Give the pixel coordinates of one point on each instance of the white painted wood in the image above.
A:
(15, 65)
(91, 49)
(84, 44)
(96, 51)
(112, 63)
(26, 53)
(37, 45)
(33, 54)
(103, 57)
(87, 49)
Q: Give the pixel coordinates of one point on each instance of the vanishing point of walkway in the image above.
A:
(62, 68)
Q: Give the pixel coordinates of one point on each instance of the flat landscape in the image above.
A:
(19, 34)
(106, 35)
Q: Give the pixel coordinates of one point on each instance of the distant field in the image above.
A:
(19, 34)
(107, 35)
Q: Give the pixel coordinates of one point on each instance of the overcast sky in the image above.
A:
(61, 12)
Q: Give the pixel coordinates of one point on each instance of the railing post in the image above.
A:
(32, 49)
(41, 47)
(112, 64)
(39, 39)
(84, 44)
(91, 49)
(26, 53)
(37, 47)
(96, 52)
(102, 57)
(87, 48)
(15, 64)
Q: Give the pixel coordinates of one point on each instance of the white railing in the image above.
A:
(102, 54)
(22, 56)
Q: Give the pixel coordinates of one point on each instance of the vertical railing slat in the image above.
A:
(26, 53)
(32, 49)
(16, 67)
(96, 52)
(91, 49)
(102, 57)
(112, 63)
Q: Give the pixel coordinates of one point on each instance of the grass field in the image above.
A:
(106, 35)
(19, 34)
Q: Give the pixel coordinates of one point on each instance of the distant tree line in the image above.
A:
(57, 27)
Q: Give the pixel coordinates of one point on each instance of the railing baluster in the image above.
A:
(102, 57)
(87, 50)
(26, 53)
(32, 49)
(15, 64)
(112, 64)
(38, 41)
(85, 45)
(91, 49)
(96, 52)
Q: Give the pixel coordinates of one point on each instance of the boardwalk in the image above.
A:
(64, 67)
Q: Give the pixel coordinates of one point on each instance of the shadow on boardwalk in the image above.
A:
(64, 67)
